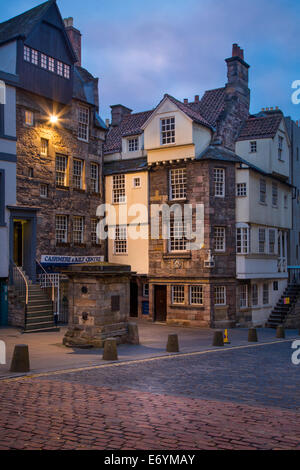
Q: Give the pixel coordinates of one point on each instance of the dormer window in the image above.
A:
(27, 53)
(44, 64)
(133, 145)
(34, 57)
(66, 71)
(51, 64)
(60, 68)
(253, 146)
(168, 131)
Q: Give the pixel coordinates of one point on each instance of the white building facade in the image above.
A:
(263, 216)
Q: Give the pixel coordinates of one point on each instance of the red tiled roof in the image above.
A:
(130, 125)
(211, 105)
(194, 114)
(262, 127)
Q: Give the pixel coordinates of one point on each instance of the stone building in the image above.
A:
(60, 137)
(189, 150)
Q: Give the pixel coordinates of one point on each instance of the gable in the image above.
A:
(49, 37)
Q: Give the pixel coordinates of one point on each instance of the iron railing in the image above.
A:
(21, 287)
(294, 274)
(47, 281)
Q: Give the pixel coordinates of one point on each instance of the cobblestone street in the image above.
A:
(244, 398)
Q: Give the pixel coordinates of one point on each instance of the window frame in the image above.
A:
(168, 128)
(26, 115)
(262, 191)
(254, 299)
(241, 189)
(261, 240)
(199, 294)
(243, 296)
(265, 284)
(83, 123)
(218, 296)
(75, 230)
(253, 146)
(176, 244)
(133, 144)
(119, 189)
(218, 238)
(78, 177)
(178, 292)
(65, 217)
(64, 172)
(242, 248)
(177, 184)
(121, 237)
(95, 187)
(219, 182)
(94, 238)
(43, 140)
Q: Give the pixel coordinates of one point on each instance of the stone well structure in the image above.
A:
(99, 299)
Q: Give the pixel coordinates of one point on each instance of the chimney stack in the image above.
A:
(185, 101)
(197, 99)
(75, 38)
(118, 111)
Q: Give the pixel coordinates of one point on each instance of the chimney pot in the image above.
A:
(196, 98)
(75, 38)
(185, 101)
(118, 111)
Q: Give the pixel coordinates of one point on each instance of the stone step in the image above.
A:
(40, 325)
(42, 330)
(41, 319)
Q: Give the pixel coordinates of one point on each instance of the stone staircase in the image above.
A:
(40, 317)
(39, 311)
(282, 311)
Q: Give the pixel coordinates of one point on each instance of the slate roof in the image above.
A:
(211, 105)
(125, 166)
(22, 25)
(219, 153)
(261, 127)
(130, 125)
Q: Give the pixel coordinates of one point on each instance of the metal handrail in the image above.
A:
(19, 277)
(48, 277)
(20, 272)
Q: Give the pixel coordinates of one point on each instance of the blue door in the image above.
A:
(3, 304)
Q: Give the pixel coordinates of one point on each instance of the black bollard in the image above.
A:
(172, 344)
(110, 352)
(20, 360)
(218, 338)
(252, 335)
(280, 332)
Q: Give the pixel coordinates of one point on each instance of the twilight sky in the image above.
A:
(143, 49)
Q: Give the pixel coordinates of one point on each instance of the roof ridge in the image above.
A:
(28, 11)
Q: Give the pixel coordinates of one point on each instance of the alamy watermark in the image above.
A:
(296, 353)
(160, 221)
(2, 353)
(296, 93)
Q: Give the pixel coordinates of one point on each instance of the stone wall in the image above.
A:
(62, 139)
(188, 268)
(98, 307)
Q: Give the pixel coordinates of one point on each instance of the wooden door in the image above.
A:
(161, 303)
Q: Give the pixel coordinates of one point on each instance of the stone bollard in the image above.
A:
(218, 338)
(252, 335)
(172, 344)
(110, 352)
(280, 332)
(133, 333)
(20, 360)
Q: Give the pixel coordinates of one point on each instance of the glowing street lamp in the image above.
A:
(53, 119)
